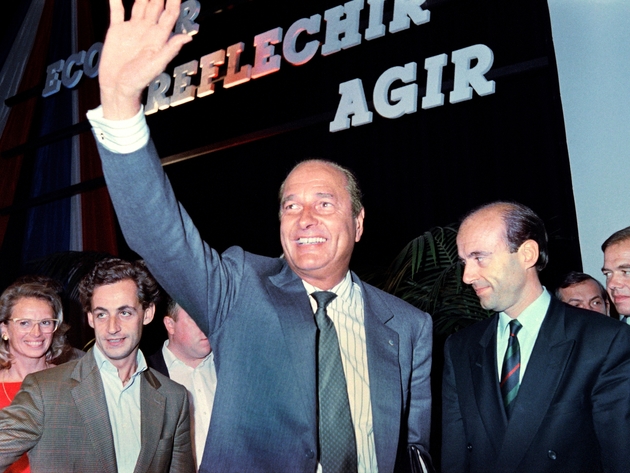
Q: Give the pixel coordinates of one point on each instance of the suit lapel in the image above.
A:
(547, 363)
(152, 407)
(384, 372)
(298, 325)
(485, 380)
(297, 321)
(89, 397)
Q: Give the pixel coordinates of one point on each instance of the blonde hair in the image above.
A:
(35, 287)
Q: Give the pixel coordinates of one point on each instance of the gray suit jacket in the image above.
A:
(572, 410)
(60, 417)
(262, 330)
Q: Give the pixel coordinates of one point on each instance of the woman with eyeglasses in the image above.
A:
(32, 332)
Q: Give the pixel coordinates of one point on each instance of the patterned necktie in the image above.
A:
(337, 445)
(510, 372)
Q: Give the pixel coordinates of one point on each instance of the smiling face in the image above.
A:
(34, 344)
(317, 229)
(117, 318)
(503, 281)
(586, 295)
(617, 271)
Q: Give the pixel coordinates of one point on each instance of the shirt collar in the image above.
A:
(343, 289)
(104, 364)
(533, 315)
(171, 360)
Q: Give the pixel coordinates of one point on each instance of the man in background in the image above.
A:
(583, 291)
(186, 357)
(541, 386)
(616, 269)
(106, 411)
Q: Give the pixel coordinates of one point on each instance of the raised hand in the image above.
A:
(135, 52)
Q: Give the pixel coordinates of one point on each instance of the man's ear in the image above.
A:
(169, 323)
(358, 221)
(149, 313)
(529, 253)
(90, 317)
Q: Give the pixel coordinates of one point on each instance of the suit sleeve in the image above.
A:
(611, 403)
(419, 422)
(21, 423)
(453, 434)
(160, 230)
(182, 460)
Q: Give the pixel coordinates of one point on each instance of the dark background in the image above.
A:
(422, 170)
(418, 171)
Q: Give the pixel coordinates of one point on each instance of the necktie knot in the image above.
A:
(515, 326)
(323, 298)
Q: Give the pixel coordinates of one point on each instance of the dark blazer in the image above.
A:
(572, 412)
(156, 361)
(60, 416)
(262, 330)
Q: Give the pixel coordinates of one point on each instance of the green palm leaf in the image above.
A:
(427, 274)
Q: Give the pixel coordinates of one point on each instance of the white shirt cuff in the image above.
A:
(119, 136)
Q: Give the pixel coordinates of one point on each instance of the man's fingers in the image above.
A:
(138, 10)
(169, 16)
(116, 11)
(172, 47)
(154, 10)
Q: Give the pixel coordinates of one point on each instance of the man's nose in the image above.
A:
(307, 217)
(469, 275)
(613, 282)
(113, 325)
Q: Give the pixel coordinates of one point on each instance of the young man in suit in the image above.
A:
(541, 386)
(187, 358)
(368, 349)
(105, 412)
(616, 269)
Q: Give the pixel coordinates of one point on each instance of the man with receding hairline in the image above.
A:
(541, 386)
(316, 370)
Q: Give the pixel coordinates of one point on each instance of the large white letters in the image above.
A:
(395, 102)
(353, 104)
(467, 78)
(404, 99)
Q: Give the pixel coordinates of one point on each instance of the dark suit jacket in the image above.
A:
(572, 412)
(156, 361)
(262, 330)
(60, 416)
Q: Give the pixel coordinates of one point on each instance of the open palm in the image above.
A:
(135, 52)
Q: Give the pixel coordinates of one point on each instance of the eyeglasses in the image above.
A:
(45, 325)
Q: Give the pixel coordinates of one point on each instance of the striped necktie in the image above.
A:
(510, 373)
(337, 445)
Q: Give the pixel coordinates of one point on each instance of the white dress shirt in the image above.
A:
(531, 319)
(201, 383)
(346, 312)
(123, 406)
